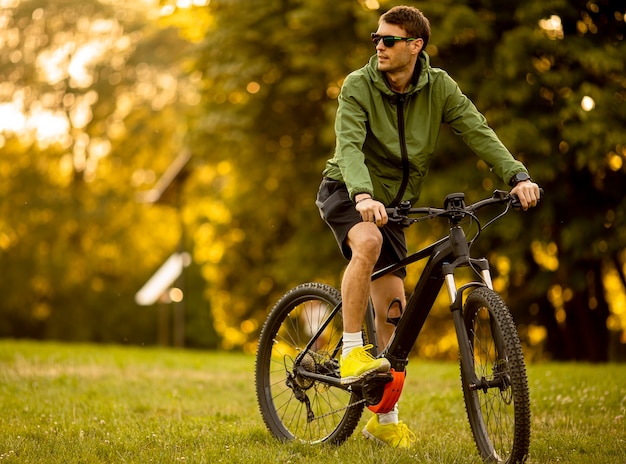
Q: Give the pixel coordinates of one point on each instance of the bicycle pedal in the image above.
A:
(373, 386)
(378, 377)
(386, 395)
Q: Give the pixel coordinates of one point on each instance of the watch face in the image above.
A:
(519, 177)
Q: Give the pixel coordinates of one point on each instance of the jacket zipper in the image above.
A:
(403, 151)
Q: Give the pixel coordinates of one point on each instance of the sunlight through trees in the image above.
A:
(99, 97)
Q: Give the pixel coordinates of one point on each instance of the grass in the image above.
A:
(64, 403)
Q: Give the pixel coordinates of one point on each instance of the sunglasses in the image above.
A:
(389, 40)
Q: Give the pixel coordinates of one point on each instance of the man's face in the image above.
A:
(402, 55)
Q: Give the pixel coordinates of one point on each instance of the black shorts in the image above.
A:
(338, 211)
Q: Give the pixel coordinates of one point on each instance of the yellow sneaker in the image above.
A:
(358, 363)
(395, 435)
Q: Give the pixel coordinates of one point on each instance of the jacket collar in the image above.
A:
(419, 80)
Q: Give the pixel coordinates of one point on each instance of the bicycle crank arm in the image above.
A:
(301, 395)
(327, 379)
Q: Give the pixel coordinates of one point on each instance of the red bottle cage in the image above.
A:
(391, 393)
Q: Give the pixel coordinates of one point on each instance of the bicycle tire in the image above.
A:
(329, 413)
(499, 416)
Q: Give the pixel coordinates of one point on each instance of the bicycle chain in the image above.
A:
(340, 409)
(291, 383)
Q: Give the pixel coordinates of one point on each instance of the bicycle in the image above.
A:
(298, 385)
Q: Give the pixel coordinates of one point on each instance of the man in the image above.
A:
(387, 124)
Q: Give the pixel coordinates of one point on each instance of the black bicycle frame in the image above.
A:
(445, 255)
(420, 302)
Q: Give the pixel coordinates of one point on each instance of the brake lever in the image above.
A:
(515, 203)
(400, 213)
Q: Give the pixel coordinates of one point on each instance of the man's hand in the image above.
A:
(528, 193)
(371, 210)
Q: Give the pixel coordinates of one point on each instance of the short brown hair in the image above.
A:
(410, 19)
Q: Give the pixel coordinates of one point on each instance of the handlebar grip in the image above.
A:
(515, 203)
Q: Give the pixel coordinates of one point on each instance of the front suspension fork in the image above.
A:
(456, 305)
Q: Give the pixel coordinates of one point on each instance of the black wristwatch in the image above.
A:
(517, 178)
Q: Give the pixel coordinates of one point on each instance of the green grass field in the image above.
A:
(63, 403)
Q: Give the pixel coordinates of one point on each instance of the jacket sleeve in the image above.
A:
(465, 120)
(351, 130)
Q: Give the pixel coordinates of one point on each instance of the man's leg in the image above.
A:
(384, 291)
(386, 427)
(365, 242)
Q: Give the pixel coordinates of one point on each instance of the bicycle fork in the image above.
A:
(456, 304)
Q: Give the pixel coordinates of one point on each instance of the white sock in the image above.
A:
(390, 417)
(351, 340)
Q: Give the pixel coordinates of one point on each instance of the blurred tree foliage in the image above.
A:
(109, 94)
(552, 85)
(270, 82)
(530, 66)
(91, 96)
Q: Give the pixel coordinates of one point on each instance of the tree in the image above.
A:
(548, 77)
(269, 116)
(98, 97)
(269, 94)
(92, 109)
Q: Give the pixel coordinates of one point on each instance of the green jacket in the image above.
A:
(385, 139)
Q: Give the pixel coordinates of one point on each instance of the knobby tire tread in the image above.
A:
(499, 313)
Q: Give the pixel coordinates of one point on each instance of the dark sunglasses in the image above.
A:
(389, 40)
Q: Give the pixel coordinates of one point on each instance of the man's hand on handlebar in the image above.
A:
(371, 210)
(528, 194)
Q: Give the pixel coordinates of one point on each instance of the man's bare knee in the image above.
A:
(370, 245)
(368, 241)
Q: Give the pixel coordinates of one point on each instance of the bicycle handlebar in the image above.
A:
(454, 207)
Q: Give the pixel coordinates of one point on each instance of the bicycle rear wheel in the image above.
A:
(293, 406)
(499, 410)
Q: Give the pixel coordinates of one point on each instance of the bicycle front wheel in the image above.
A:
(498, 407)
(295, 406)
